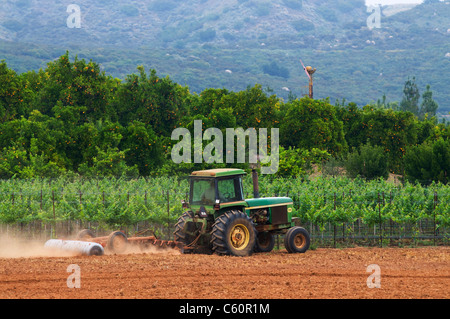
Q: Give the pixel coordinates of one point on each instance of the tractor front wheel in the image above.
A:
(296, 240)
(233, 234)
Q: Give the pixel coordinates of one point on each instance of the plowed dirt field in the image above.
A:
(322, 273)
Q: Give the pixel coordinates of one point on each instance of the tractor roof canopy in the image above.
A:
(218, 172)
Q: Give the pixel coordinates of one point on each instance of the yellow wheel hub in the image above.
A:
(239, 236)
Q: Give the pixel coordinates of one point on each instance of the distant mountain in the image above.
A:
(236, 43)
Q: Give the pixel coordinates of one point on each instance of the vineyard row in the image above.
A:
(331, 209)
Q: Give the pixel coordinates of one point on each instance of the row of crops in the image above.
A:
(328, 207)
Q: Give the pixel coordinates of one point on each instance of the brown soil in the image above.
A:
(318, 274)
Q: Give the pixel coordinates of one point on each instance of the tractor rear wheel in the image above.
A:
(264, 242)
(296, 240)
(234, 234)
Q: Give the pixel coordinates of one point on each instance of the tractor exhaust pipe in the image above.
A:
(255, 183)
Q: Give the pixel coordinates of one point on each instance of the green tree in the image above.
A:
(298, 162)
(78, 84)
(13, 159)
(352, 119)
(16, 161)
(109, 163)
(207, 35)
(429, 161)
(274, 69)
(37, 135)
(14, 94)
(392, 130)
(429, 106)
(369, 162)
(411, 95)
(208, 101)
(253, 107)
(143, 147)
(151, 100)
(309, 124)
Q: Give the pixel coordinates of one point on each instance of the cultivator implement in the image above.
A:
(116, 242)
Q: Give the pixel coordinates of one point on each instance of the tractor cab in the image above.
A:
(215, 188)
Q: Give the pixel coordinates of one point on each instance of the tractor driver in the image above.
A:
(209, 195)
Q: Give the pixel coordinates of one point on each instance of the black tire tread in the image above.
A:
(178, 234)
(219, 229)
(288, 239)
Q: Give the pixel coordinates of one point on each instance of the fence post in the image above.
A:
(434, 217)
(54, 215)
(390, 219)
(168, 216)
(343, 223)
(379, 216)
(334, 225)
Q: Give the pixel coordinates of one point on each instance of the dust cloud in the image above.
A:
(21, 247)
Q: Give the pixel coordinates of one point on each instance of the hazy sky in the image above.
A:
(388, 2)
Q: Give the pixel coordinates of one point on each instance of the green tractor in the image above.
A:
(219, 220)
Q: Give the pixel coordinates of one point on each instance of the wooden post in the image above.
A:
(379, 216)
(391, 222)
(168, 216)
(54, 215)
(334, 225)
(434, 217)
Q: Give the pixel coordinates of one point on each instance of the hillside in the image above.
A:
(236, 43)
